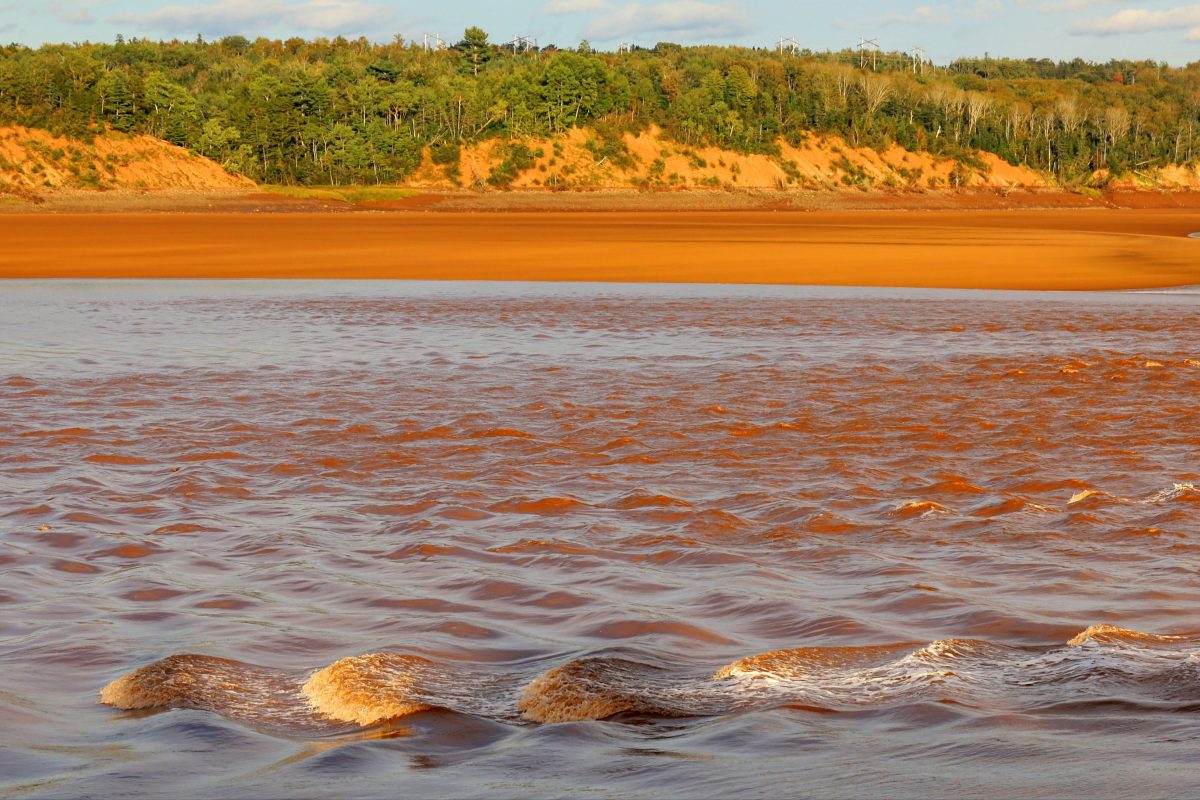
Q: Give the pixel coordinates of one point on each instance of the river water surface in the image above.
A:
(403, 539)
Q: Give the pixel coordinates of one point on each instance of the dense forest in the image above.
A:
(338, 111)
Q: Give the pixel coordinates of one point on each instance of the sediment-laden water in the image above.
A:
(384, 539)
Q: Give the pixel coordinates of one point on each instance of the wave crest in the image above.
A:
(367, 690)
(1101, 662)
(1112, 634)
(588, 688)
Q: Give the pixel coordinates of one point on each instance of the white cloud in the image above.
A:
(683, 19)
(943, 14)
(1142, 20)
(985, 9)
(555, 7)
(931, 14)
(239, 16)
(1073, 5)
(925, 15)
(74, 12)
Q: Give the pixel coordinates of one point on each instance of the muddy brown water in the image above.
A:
(375, 538)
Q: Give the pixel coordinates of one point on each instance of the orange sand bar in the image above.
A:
(1067, 249)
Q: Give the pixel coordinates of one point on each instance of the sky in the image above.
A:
(1097, 30)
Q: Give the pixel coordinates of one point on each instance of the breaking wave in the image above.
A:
(1180, 492)
(1102, 663)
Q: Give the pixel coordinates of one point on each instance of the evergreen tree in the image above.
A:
(475, 49)
(334, 110)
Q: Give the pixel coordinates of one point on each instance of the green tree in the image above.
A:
(173, 111)
(475, 49)
(323, 110)
(217, 140)
(116, 101)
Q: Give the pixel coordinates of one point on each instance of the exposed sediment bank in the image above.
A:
(1059, 249)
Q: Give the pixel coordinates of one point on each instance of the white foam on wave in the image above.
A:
(1101, 663)
(1080, 496)
(1176, 492)
(920, 509)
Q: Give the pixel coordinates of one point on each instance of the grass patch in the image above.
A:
(342, 194)
(1088, 191)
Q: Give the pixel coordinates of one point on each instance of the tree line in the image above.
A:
(339, 111)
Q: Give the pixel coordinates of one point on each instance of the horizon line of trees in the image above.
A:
(338, 111)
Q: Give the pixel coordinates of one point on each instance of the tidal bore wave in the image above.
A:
(576, 503)
(1103, 664)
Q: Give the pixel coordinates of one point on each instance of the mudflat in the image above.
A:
(1073, 249)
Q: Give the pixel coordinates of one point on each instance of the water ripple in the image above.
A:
(627, 487)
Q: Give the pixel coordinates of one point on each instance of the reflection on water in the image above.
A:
(597, 538)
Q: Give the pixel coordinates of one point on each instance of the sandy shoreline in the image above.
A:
(992, 249)
(267, 200)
